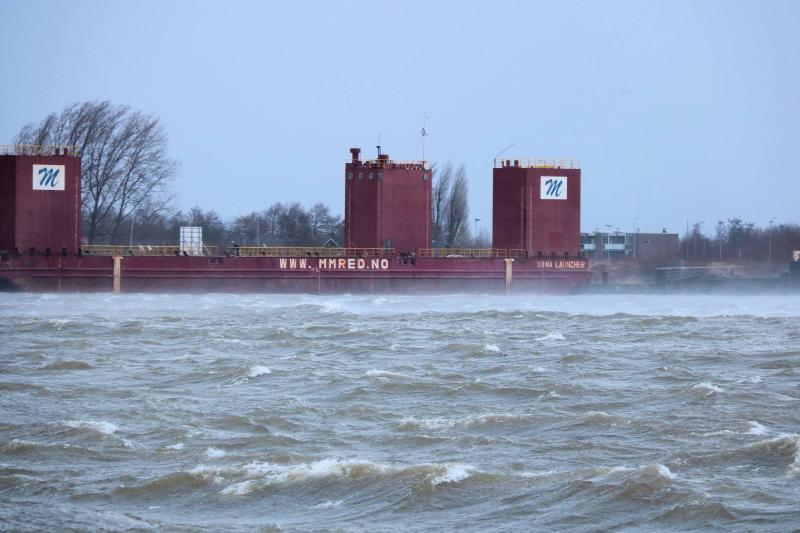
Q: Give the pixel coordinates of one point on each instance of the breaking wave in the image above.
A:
(388, 375)
(708, 389)
(244, 479)
(101, 427)
(258, 370)
(552, 336)
(756, 429)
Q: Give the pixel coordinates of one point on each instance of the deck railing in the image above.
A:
(39, 149)
(139, 250)
(463, 252)
(535, 162)
(302, 251)
(308, 251)
(395, 163)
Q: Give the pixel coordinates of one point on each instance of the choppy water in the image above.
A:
(394, 413)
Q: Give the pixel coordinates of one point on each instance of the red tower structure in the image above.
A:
(387, 204)
(40, 200)
(537, 206)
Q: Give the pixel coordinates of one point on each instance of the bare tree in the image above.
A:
(271, 217)
(324, 225)
(450, 212)
(457, 228)
(442, 178)
(287, 225)
(294, 225)
(125, 164)
(246, 229)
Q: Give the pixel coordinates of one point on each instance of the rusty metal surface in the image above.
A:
(387, 202)
(286, 274)
(521, 219)
(39, 219)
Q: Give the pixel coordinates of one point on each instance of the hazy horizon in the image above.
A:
(679, 111)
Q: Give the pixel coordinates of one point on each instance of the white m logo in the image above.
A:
(48, 177)
(553, 188)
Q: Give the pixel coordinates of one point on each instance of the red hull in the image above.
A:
(297, 274)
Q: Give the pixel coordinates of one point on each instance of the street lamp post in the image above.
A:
(476, 230)
(686, 253)
(635, 220)
(769, 252)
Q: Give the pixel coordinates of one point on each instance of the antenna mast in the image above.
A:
(504, 150)
(424, 134)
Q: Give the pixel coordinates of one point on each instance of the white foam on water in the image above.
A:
(749, 379)
(232, 341)
(475, 420)
(327, 505)
(453, 474)
(331, 306)
(21, 444)
(386, 374)
(491, 348)
(427, 423)
(214, 453)
(709, 388)
(664, 471)
(718, 433)
(552, 336)
(258, 370)
(106, 428)
(618, 469)
(756, 429)
(794, 468)
(544, 473)
(59, 323)
(657, 470)
(669, 305)
(598, 416)
(247, 478)
(263, 474)
(178, 446)
(241, 488)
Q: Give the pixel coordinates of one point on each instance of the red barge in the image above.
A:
(535, 241)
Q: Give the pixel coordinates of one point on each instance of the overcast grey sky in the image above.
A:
(677, 110)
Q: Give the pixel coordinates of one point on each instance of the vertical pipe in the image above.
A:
(509, 274)
(117, 286)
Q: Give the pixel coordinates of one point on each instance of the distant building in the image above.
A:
(643, 246)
